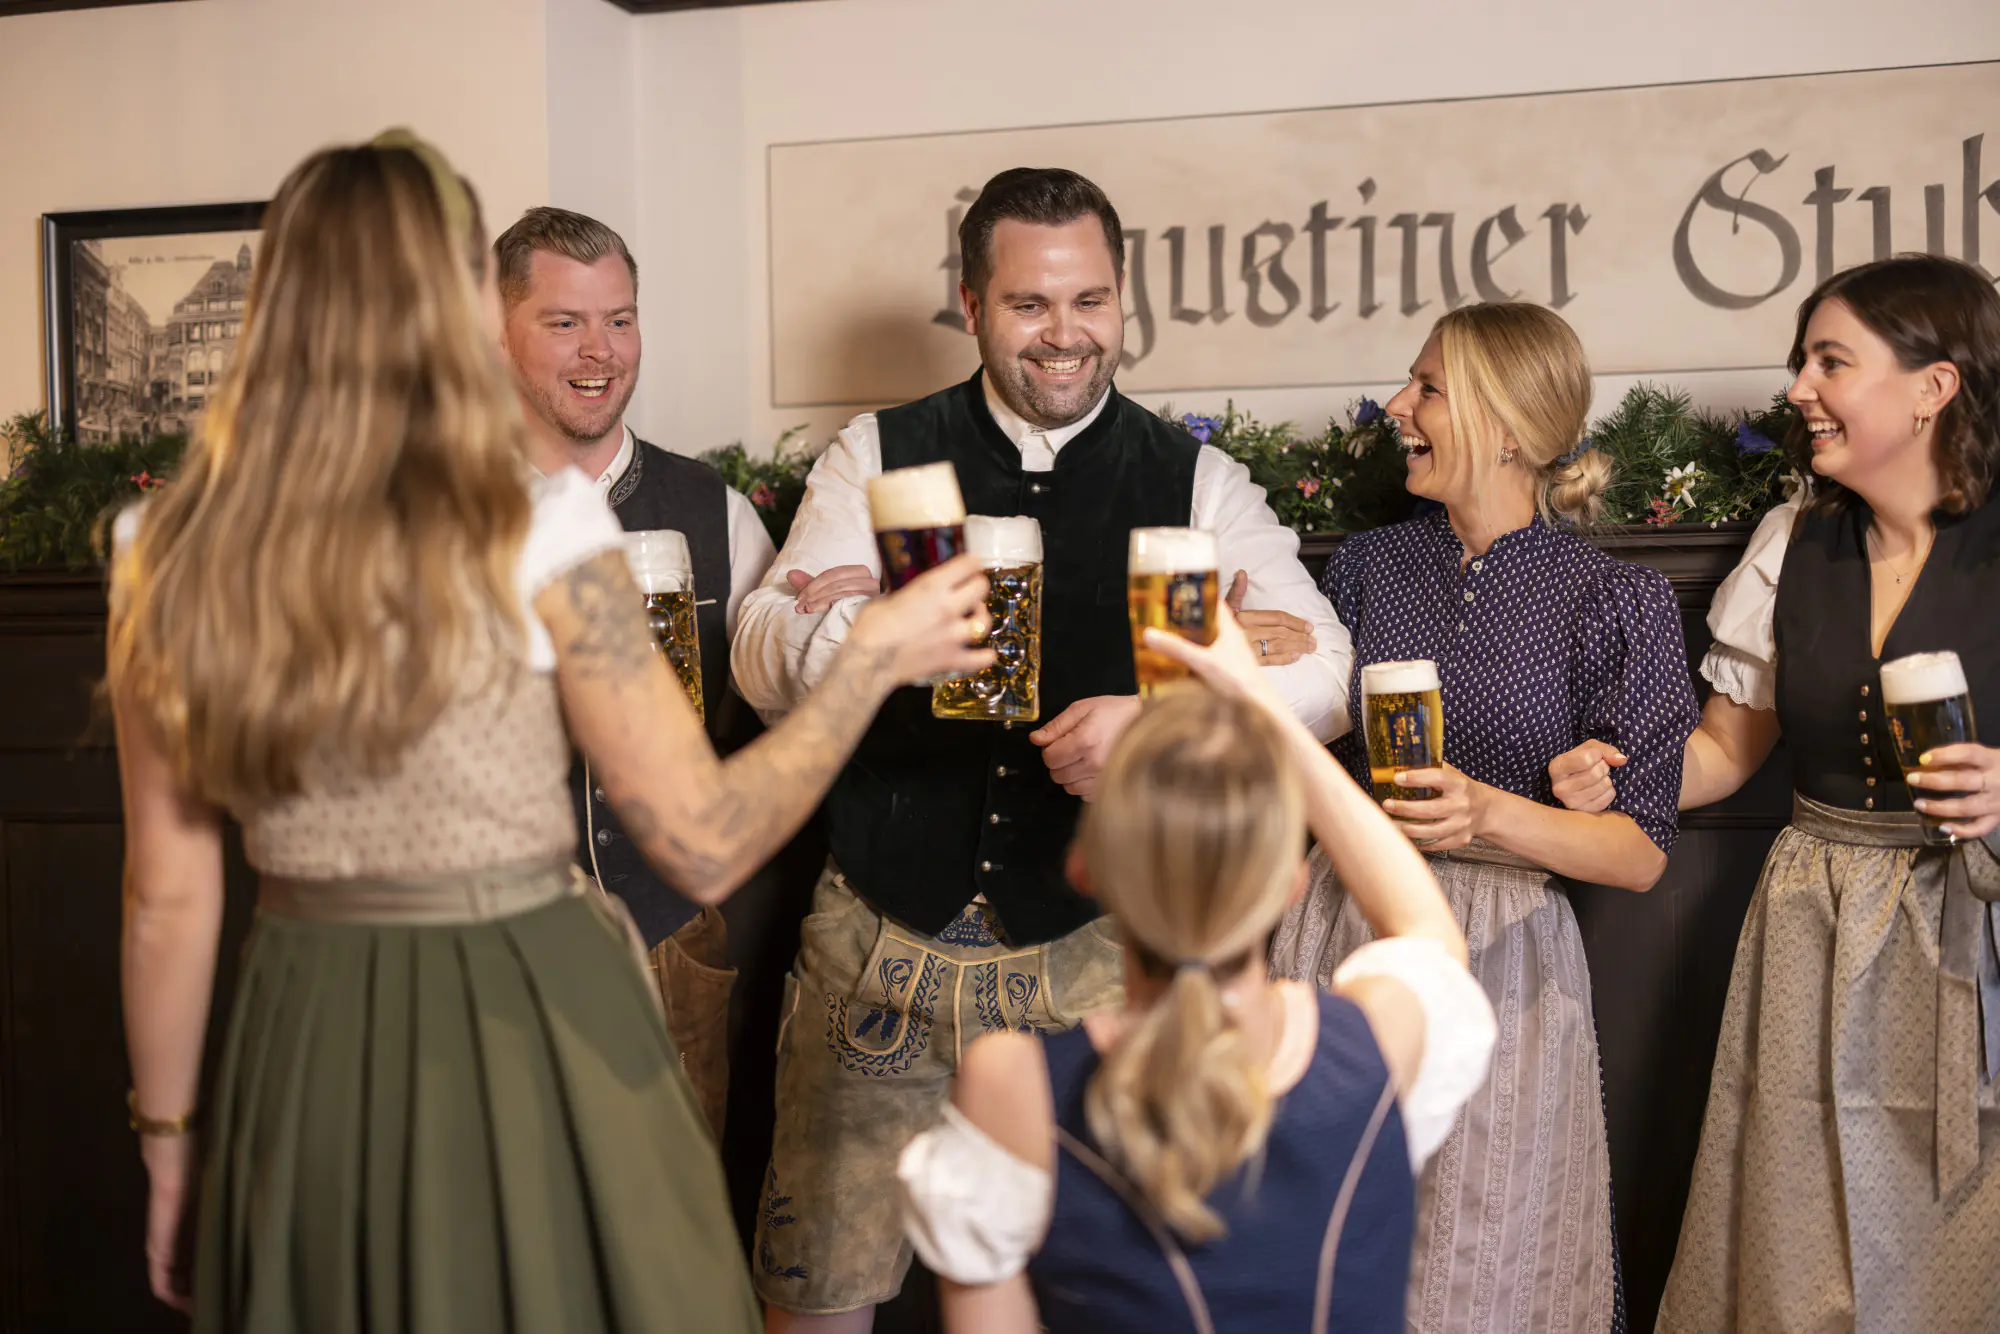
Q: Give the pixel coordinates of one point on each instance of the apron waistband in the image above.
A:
(432, 900)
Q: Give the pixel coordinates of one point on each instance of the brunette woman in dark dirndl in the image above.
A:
(1847, 1174)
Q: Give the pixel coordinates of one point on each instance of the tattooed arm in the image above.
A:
(705, 824)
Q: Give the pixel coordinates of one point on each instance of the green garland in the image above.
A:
(58, 493)
(1671, 464)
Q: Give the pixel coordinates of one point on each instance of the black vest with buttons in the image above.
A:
(930, 812)
(1829, 692)
(664, 490)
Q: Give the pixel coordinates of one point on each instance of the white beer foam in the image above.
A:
(926, 496)
(1171, 551)
(659, 561)
(1922, 677)
(1014, 540)
(1399, 678)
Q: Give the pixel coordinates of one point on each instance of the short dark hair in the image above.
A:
(1928, 309)
(560, 232)
(1045, 196)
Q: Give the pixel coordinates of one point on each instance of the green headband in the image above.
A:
(452, 198)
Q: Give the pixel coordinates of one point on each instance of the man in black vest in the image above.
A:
(944, 911)
(570, 289)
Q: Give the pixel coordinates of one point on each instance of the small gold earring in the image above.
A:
(1506, 457)
(1923, 420)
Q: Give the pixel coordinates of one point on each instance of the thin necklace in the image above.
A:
(1883, 556)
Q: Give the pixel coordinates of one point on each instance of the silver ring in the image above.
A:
(1264, 649)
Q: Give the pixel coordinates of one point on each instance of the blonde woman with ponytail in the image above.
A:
(1541, 642)
(446, 1101)
(1224, 1153)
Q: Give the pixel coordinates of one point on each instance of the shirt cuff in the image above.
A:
(1459, 1032)
(973, 1211)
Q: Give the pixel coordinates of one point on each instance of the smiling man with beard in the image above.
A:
(945, 911)
(571, 294)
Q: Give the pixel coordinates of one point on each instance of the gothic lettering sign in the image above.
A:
(1677, 227)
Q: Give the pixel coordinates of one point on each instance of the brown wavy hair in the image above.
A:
(1194, 843)
(337, 550)
(1928, 309)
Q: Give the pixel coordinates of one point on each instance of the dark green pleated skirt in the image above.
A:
(478, 1128)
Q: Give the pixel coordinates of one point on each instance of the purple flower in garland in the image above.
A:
(1750, 441)
(1201, 428)
(1367, 412)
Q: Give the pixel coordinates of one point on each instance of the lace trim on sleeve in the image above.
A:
(973, 1211)
(1745, 679)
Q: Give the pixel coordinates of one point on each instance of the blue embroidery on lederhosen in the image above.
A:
(773, 1220)
(976, 925)
(903, 1020)
(1017, 1012)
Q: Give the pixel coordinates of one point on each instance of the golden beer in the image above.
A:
(1171, 585)
(919, 520)
(664, 572)
(1402, 719)
(1928, 705)
(1011, 689)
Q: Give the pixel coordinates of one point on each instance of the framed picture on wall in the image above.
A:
(143, 307)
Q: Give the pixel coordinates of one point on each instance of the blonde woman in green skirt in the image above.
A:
(355, 624)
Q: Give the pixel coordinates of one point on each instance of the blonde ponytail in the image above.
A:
(1194, 844)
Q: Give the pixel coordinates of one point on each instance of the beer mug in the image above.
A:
(919, 519)
(1010, 690)
(1171, 585)
(1402, 720)
(1929, 706)
(665, 575)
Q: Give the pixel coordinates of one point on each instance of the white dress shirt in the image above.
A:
(750, 547)
(779, 655)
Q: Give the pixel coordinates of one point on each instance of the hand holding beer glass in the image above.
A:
(1929, 708)
(1402, 709)
(1010, 689)
(919, 520)
(665, 574)
(1171, 586)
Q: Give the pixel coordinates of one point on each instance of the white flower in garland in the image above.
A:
(1679, 485)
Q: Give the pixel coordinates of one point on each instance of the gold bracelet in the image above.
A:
(146, 1125)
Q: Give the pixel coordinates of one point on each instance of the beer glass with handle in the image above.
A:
(1171, 585)
(1402, 712)
(665, 575)
(919, 519)
(1010, 689)
(1929, 706)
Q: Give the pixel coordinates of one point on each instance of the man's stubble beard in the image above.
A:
(549, 407)
(1018, 390)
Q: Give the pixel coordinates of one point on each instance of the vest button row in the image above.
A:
(991, 866)
(604, 838)
(1036, 488)
(1000, 771)
(599, 794)
(996, 818)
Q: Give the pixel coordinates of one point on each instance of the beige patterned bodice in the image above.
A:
(487, 786)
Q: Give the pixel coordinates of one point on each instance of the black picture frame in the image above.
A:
(60, 234)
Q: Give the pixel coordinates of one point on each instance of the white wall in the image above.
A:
(718, 87)
(215, 100)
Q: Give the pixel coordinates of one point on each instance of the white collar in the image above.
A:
(1017, 430)
(619, 462)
